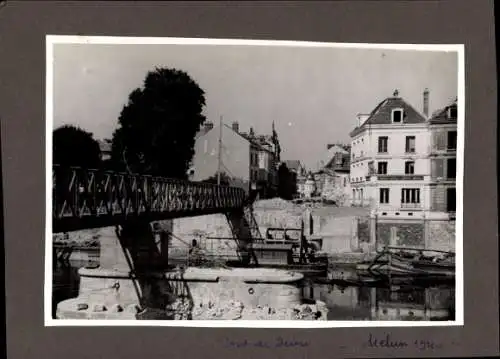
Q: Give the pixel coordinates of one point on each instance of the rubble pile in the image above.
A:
(83, 238)
(180, 309)
(275, 203)
(235, 310)
(230, 310)
(316, 311)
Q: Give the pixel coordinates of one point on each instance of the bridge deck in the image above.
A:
(85, 198)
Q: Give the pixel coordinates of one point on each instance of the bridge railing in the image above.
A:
(86, 198)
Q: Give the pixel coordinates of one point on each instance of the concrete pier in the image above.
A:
(134, 282)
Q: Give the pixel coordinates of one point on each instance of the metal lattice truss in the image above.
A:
(85, 198)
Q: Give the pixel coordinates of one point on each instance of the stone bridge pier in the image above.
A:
(129, 282)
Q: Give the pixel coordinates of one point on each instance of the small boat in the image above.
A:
(400, 261)
(319, 269)
(286, 248)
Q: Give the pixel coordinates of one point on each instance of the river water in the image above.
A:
(344, 303)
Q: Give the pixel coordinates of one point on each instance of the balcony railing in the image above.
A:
(385, 177)
(411, 205)
(443, 179)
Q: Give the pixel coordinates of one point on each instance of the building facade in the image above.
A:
(105, 147)
(443, 158)
(333, 178)
(246, 159)
(390, 166)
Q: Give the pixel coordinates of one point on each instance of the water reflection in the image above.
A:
(344, 303)
(370, 303)
(65, 277)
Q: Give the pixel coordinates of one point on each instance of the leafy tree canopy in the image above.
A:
(157, 127)
(73, 146)
(287, 183)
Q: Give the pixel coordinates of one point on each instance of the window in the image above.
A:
(410, 144)
(409, 167)
(452, 112)
(382, 168)
(382, 144)
(451, 199)
(452, 140)
(410, 195)
(451, 171)
(384, 195)
(397, 116)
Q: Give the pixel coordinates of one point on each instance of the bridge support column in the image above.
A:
(130, 281)
(242, 233)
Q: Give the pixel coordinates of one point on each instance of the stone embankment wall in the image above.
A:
(339, 234)
(441, 235)
(428, 234)
(343, 230)
(401, 235)
(268, 214)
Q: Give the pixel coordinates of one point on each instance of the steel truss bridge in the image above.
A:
(85, 198)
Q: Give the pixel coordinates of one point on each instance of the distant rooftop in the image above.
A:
(445, 115)
(293, 165)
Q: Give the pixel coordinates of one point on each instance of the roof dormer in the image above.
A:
(452, 112)
(397, 115)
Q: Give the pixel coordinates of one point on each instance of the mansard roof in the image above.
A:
(444, 116)
(381, 114)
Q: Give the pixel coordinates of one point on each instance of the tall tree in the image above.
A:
(158, 125)
(287, 182)
(73, 146)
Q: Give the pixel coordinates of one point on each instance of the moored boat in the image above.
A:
(400, 261)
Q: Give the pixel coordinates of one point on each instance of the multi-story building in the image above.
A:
(245, 158)
(443, 158)
(390, 168)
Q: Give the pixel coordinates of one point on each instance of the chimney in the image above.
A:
(426, 103)
(361, 117)
(251, 133)
(236, 127)
(208, 126)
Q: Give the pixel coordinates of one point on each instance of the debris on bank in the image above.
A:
(235, 310)
(275, 203)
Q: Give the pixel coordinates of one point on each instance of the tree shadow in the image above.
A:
(155, 290)
(241, 224)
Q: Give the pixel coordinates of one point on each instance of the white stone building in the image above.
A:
(390, 165)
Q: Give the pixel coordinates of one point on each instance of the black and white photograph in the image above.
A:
(210, 182)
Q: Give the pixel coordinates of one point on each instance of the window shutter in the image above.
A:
(441, 140)
(439, 167)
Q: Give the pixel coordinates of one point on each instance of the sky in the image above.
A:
(312, 94)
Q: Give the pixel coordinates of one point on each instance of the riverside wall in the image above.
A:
(343, 230)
